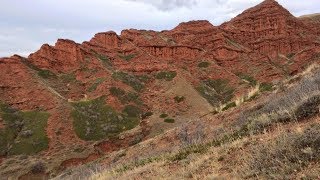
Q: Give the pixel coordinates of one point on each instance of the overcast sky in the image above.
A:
(27, 24)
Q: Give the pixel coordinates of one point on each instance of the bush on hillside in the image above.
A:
(216, 92)
(204, 64)
(94, 120)
(128, 79)
(166, 75)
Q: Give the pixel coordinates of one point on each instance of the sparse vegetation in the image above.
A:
(290, 55)
(125, 97)
(179, 99)
(302, 101)
(185, 152)
(118, 92)
(96, 83)
(46, 74)
(216, 92)
(94, 120)
(137, 163)
(143, 78)
(24, 133)
(132, 111)
(233, 43)
(163, 115)
(285, 156)
(229, 105)
(104, 59)
(130, 80)
(146, 114)
(169, 120)
(253, 82)
(204, 64)
(166, 75)
(251, 98)
(127, 57)
(68, 78)
(38, 167)
(265, 87)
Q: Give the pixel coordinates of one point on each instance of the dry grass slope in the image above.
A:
(276, 139)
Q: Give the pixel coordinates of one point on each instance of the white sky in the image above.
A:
(27, 24)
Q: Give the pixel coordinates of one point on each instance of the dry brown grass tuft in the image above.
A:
(283, 157)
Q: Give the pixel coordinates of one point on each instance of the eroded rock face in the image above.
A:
(19, 88)
(268, 28)
(172, 51)
(108, 40)
(194, 27)
(265, 42)
(64, 56)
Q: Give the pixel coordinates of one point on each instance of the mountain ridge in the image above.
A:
(111, 92)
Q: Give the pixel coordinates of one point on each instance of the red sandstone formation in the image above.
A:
(270, 29)
(19, 86)
(266, 42)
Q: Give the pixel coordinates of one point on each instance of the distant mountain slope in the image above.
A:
(314, 17)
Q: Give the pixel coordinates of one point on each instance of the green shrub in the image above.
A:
(127, 57)
(265, 87)
(44, 73)
(143, 78)
(96, 83)
(132, 111)
(118, 92)
(163, 115)
(253, 82)
(216, 92)
(149, 113)
(146, 115)
(179, 99)
(24, 132)
(230, 105)
(204, 64)
(94, 120)
(169, 120)
(68, 78)
(167, 75)
(105, 59)
(125, 97)
(128, 79)
(134, 97)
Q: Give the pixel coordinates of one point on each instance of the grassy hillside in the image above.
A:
(275, 137)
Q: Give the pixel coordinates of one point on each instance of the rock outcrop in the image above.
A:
(270, 29)
(139, 67)
(64, 56)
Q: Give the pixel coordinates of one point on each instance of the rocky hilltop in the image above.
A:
(70, 104)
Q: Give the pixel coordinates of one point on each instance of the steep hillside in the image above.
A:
(71, 104)
(270, 138)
